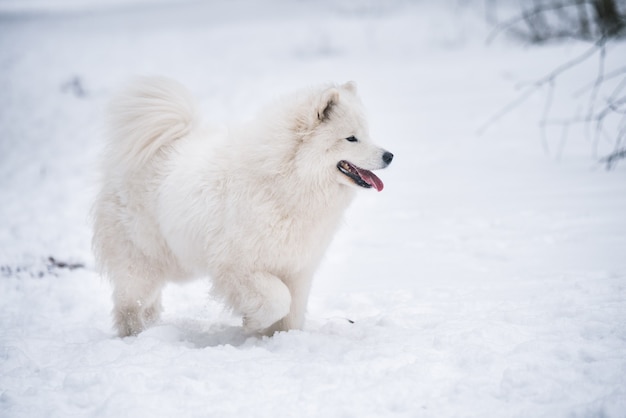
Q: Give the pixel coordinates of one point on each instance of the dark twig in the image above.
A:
(616, 91)
(594, 95)
(64, 265)
(526, 16)
(544, 116)
(534, 86)
(506, 109)
(597, 20)
(608, 76)
(611, 159)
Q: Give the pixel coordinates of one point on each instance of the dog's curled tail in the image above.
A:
(149, 114)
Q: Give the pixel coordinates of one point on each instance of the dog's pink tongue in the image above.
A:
(371, 179)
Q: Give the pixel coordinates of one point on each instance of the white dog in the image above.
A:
(253, 208)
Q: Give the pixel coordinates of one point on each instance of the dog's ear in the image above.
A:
(328, 100)
(350, 86)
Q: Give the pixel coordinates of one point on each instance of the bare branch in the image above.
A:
(506, 109)
(612, 98)
(526, 16)
(534, 86)
(544, 116)
(597, 20)
(599, 44)
(578, 19)
(612, 158)
(608, 76)
(594, 93)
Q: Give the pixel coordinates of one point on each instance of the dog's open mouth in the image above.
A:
(360, 176)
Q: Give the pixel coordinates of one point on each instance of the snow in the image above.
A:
(487, 279)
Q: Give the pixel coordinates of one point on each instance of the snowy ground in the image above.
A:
(488, 279)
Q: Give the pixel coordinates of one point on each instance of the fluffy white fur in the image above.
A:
(253, 208)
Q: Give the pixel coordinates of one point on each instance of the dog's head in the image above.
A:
(336, 138)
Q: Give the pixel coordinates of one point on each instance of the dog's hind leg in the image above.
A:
(137, 304)
(152, 312)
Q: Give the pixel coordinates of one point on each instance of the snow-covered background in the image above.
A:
(488, 279)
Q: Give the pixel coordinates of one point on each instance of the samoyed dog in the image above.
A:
(254, 207)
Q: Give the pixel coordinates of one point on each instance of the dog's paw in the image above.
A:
(128, 326)
(270, 312)
(128, 321)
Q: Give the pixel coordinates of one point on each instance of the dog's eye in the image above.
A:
(351, 139)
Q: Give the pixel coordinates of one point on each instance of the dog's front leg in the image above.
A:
(262, 299)
(299, 286)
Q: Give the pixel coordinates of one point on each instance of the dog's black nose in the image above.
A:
(387, 157)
